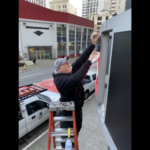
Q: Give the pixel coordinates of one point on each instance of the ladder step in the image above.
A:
(63, 139)
(60, 148)
(67, 118)
(60, 134)
(63, 130)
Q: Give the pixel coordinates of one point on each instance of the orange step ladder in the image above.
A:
(55, 133)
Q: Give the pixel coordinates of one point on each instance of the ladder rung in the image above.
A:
(60, 148)
(67, 118)
(60, 134)
(63, 139)
(63, 130)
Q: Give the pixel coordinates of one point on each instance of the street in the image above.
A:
(39, 75)
(35, 76)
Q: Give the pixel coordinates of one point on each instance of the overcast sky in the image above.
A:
(76, 3)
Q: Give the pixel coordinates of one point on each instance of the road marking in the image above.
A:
(38, 138)
(30, 75)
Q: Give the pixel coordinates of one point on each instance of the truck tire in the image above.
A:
(86, 95)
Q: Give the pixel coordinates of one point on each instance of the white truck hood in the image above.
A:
(52, 95)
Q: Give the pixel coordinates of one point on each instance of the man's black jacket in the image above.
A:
(70, 85)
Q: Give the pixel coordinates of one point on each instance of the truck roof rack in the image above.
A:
(29, 90)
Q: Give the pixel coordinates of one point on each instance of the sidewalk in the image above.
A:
(42, 64)
(91, 135)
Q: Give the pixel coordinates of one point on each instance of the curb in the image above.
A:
(34, 69)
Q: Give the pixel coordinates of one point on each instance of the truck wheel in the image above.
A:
(86, 95)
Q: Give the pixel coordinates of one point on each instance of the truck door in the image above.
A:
(22, 125)
(36, 111)
(44, 114)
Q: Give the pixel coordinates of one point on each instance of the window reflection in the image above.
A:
(71, 40)
(61, 39)
(78, 39)
(84, 38)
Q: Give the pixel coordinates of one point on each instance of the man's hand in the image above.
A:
(93, 55)
(94, 38)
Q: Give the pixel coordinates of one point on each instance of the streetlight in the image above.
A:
(109, 12)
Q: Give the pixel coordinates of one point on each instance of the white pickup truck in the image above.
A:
(89, 83)
(34, 109)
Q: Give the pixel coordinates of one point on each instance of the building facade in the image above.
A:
(91, 9)
(62, 6)
(99, 19)
(38, 2)
(47, 34)
(115, 6)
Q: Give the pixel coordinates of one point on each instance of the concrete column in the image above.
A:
(81, 36)
(102, 67)
(67, 35)
(55, 39)
(86, 37)
(75, 42)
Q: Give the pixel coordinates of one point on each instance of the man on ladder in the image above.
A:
(68, 80)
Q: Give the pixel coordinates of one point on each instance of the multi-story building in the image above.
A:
(91, 9)
(63, 6)
(38, 2)
(115, 6)
(99, 19)
(48, 34)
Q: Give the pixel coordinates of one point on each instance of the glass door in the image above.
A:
(38, 55)
(42, 55)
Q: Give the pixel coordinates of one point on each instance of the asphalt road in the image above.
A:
(39, 75)
(35, 76)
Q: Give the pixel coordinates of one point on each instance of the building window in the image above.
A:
(98, 28)
(119, 7)
(84, 38)
(99, 23)
(59, 7)
(99, 18)
(78, 39)
(71, 39)
(106, 17)
(61, 39)
(93, 18)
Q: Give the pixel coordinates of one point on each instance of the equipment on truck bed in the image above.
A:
(29, 90)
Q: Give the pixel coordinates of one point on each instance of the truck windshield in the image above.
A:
(86, 80)
(86, 77)
(43, 97)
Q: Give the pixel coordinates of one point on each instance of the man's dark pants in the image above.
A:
(69, 124)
